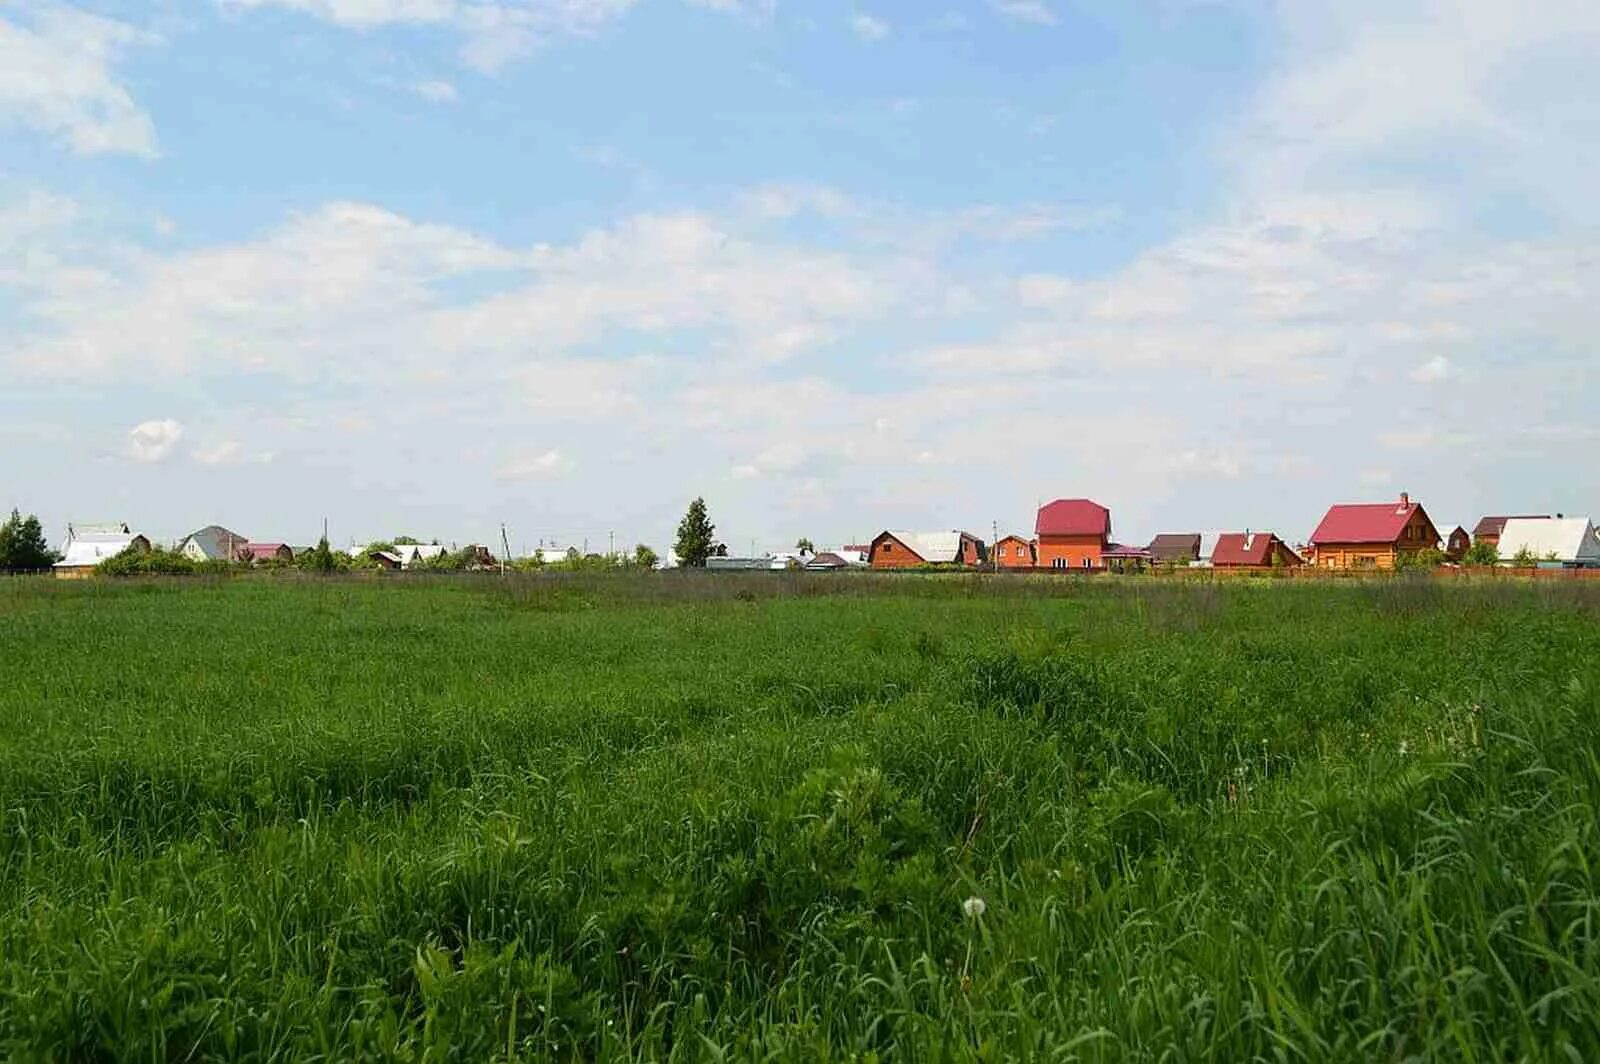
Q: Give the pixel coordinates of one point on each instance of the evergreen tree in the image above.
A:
(694, 544)
(22, 544)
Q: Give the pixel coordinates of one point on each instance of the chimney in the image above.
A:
(1405, 500)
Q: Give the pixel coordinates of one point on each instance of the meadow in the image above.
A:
(798, 817)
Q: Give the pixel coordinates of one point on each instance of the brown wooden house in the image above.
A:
(1457, 543)
(1372, 535)
(1488, 529)
(1253, 551)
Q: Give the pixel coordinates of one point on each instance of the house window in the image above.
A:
(886, 548)
(1088, 563)
(1058, 563)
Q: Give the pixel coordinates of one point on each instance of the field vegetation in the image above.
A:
(798, 817)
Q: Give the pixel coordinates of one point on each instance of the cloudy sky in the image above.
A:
(431, 265)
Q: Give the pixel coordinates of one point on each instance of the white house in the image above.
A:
(86, 546)
(1556, 542)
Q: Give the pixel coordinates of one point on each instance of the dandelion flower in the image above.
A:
(974, 907)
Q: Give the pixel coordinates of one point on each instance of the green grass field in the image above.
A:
(703, 818)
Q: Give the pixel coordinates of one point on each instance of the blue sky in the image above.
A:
(431, 265)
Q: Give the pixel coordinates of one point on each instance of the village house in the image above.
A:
(1553, 542)
(1014, 552)
(1175, 548)
(1456, 544)
(1251, 551)
(1122, 558)
(1372, 535)
(212, 543)
(86, 546)
(1488, 529)
(268, 552)
(1072, 534)
(899, 549)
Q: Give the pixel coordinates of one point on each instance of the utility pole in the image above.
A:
(613, 535)
(505, 548)
(994, 557)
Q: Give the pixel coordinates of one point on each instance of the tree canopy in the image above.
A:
(22, 544)
(695, 534)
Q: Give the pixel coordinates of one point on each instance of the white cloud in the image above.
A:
(1035, 12)
(221, 452)
(152, 441)
(543, 464)
(57, 76)
(437, 91)
(868, 28)
(1432, 371)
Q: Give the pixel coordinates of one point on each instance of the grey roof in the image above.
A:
(216, 543)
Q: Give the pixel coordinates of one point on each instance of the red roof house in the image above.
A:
(1252, 550)
(1372, 535)
(268, 552)
(1072, 534)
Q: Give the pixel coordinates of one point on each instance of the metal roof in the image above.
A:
(1073, 517)
(1570, 539)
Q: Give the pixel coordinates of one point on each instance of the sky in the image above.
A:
(431, 266)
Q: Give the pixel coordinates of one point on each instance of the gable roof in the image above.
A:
(1073, 517)
(215, 542)
(266, 550)
(1245, 548)
(112, 528)
(1170, 546)
(1492, 526)
(1376, 522)
(1570, 539)
(931, 547)
(93, 548)
(826, 560)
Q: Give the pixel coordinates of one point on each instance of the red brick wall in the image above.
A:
(890, 553)
(1013, 552)
(1072, 551)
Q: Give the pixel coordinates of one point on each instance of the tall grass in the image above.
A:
(737, 817)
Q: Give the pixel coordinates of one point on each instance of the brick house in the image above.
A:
(1014, 552)
(1252, 550)
(899, 549)
(1372, 535)
(1072, 534)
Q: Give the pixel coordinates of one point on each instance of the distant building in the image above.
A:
(1175, 548)
(1554, 542)
(1014, 552)
(1372, 535)
(1457, 543)
(212, 543)
(1072, 534)
(899, 549)
(1488, 529)
(1122, 558)
(86, 546)
(828, 561)
(269, 552)
(1252, 550)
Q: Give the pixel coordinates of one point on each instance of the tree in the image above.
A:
(22, 544)
(694, 543)
(319, 559)
(1481, 553)
(804, 546)
(644, 557)
(1524, 558)
(407, 541)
